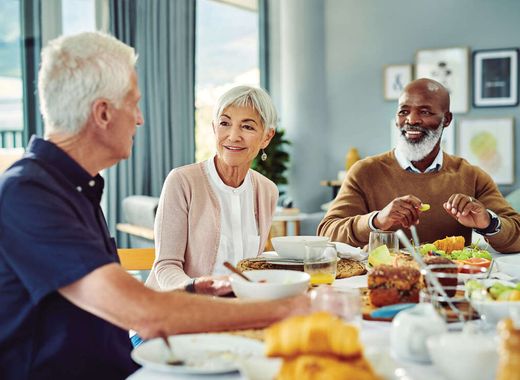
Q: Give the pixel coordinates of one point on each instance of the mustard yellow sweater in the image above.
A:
(374, 182)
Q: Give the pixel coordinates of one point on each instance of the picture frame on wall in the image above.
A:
(396, 77)
(447, 139)
(489, 144)
(449, 67)
(495, 78)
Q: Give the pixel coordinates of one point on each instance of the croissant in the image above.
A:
(449, 244)
(312, 367)
(319, 333)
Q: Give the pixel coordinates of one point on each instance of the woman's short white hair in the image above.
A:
(247, 96)
(75, 71)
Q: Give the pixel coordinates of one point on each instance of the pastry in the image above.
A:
(313, 367)
(389, 285)
(319, 333)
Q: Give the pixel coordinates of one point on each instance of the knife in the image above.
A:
(391, 310)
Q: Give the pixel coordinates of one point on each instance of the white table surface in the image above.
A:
(373, 335)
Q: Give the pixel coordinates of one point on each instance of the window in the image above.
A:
(226, 55)
(11, 98)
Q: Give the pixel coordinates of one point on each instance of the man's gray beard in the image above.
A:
(418, 151)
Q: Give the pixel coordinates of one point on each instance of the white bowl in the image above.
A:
(462, 356)
(509, 264)
(494, 311)
(293, 247)
(278, 284)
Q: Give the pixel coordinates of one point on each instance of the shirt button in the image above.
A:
(79, 188)
(91, 183)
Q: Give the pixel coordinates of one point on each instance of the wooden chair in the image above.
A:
(136, 258)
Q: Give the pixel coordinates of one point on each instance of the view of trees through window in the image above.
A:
(11, 90)
(226, 55)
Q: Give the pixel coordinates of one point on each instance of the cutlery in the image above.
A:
(391, 310)
(488, 275)
(232, 268)
(171, 360)
(276, 259)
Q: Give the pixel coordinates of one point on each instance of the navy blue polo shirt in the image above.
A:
(52, 233)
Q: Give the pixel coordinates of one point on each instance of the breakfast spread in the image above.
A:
(318, 346)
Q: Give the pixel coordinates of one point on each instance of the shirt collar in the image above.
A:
(59, 161)
(212, 169)
(407, 165)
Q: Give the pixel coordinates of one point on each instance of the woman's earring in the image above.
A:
(263, 157)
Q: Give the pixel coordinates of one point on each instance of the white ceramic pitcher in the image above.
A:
(411, 328)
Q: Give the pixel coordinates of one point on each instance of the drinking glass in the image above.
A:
(379, 238)
(342, 302)
(320, 263)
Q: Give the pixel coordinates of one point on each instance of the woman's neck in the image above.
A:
(232, 176)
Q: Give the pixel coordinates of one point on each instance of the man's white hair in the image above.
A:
(247, 96)
(75, 71)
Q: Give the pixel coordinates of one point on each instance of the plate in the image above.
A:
(280, 260)
(203, 354)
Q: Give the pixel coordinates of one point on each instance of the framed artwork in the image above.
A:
(495, 78)
(450, 68)
(395, 78)
(488, 143)
(447, 139)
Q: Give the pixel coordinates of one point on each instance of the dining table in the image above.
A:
(375, 336)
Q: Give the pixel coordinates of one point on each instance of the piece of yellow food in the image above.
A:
(314, 367)
(450, 243)
(319, 333)
(319, 346)
(424, 207)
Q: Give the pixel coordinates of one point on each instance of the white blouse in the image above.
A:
(238, 228)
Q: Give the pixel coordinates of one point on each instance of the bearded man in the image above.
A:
(385, 192)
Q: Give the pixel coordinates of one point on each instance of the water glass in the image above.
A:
(343, 302)
(379, 238)
(320, 263)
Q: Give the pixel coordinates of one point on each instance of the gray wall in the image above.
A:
(359, 38)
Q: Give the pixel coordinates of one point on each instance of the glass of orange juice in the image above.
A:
(320, 263)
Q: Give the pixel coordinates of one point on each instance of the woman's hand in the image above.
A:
(213, 285)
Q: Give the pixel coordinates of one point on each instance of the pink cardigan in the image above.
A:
(187, 225)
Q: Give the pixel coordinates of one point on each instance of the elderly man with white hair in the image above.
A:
(66, 303)
(386, 191)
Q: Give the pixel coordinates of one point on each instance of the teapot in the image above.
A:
(411, 328)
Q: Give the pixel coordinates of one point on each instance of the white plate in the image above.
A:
(272, 254)
(203, 353)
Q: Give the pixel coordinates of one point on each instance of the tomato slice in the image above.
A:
(464, 266)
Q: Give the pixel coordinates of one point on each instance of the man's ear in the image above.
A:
(448, 117)
(268, 137)
(101, 112)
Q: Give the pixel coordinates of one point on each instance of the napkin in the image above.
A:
(346, 251)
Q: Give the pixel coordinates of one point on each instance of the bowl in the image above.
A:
(293, 247)
(463, 356)
(509, 265)
(493, 311)
(278, 284)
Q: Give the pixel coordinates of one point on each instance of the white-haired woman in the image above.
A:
(217, 210)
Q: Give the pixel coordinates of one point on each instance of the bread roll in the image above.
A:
(319, 333)
(312, 367)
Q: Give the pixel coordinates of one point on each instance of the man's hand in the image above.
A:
(213, 285)
(467, 211)
(401, 212)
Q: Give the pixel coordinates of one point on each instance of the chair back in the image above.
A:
(136, 258)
